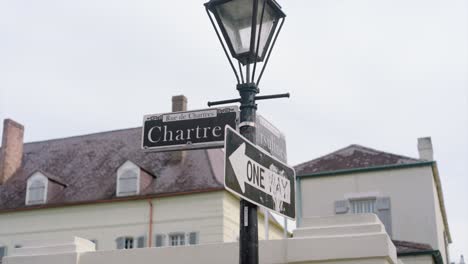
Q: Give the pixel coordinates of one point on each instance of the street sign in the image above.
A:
(270, 138)
(258, 177)
(188, 130)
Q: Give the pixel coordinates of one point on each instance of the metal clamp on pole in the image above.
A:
(246, 123)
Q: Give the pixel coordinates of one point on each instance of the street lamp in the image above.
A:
(249, 29)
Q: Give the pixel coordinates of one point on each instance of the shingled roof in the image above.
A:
(352, 157)
(88, 164)
(412, 249)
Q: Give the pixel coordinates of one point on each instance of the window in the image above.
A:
(128, 178)
(36, 192)
(362, 206)
(177, 239)
(381, 206)
(193, 238)
(159, 241)
(128, 243)
(124, 242)
(128, 183)
(141, 242)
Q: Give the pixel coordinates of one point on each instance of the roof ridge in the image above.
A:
(386, 152)
(138, 164)
(50, 176)
(361, 147)
(81, 136)
(324, 156)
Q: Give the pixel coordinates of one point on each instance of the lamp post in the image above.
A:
(249, 29)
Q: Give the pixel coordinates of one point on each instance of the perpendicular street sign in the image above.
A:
(270, 138)
(255, 175)
(188, 130)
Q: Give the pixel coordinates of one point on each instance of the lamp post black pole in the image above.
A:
(247, 55)
(248, 233)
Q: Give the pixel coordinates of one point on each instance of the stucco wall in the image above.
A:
(410, 190)
(231, 221)
(231, 218)
(214, 215)
(417, 260)
(105, 222)
(275, 251)
(349, 239)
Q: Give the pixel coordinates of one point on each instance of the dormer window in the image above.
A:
(128, 179)
(133, 179)
(36, 192)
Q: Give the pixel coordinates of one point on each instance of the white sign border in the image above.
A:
(194, 146)
(269, 155)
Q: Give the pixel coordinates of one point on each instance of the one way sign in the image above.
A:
(258, 177)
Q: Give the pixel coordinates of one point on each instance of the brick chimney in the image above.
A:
(179, 103)
(425, 148)
(11, 154)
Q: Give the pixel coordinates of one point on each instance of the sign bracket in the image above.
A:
(263, 97)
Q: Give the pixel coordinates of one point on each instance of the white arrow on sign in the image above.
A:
(268, 180)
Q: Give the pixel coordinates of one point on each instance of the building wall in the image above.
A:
(440, 225)
(411, 191)
(105, 222)
(427, 259)
(231, 221)
(273, 251)
(330, 245)
(275, 231)
(231, 217)
(205, 213)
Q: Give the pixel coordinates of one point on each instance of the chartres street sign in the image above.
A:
(270, 138)
(258, 177)
(188, 130)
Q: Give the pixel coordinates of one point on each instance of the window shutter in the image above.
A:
(341, 207)
(36, 192)
(384, 213)
(141, 242)
(2, 252)
(159, 240)
(120, 242)
(128, 182)
(193, 238)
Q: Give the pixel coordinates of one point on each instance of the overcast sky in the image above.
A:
(378, 73)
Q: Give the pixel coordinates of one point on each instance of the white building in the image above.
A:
(103, 187)
(404, 192)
